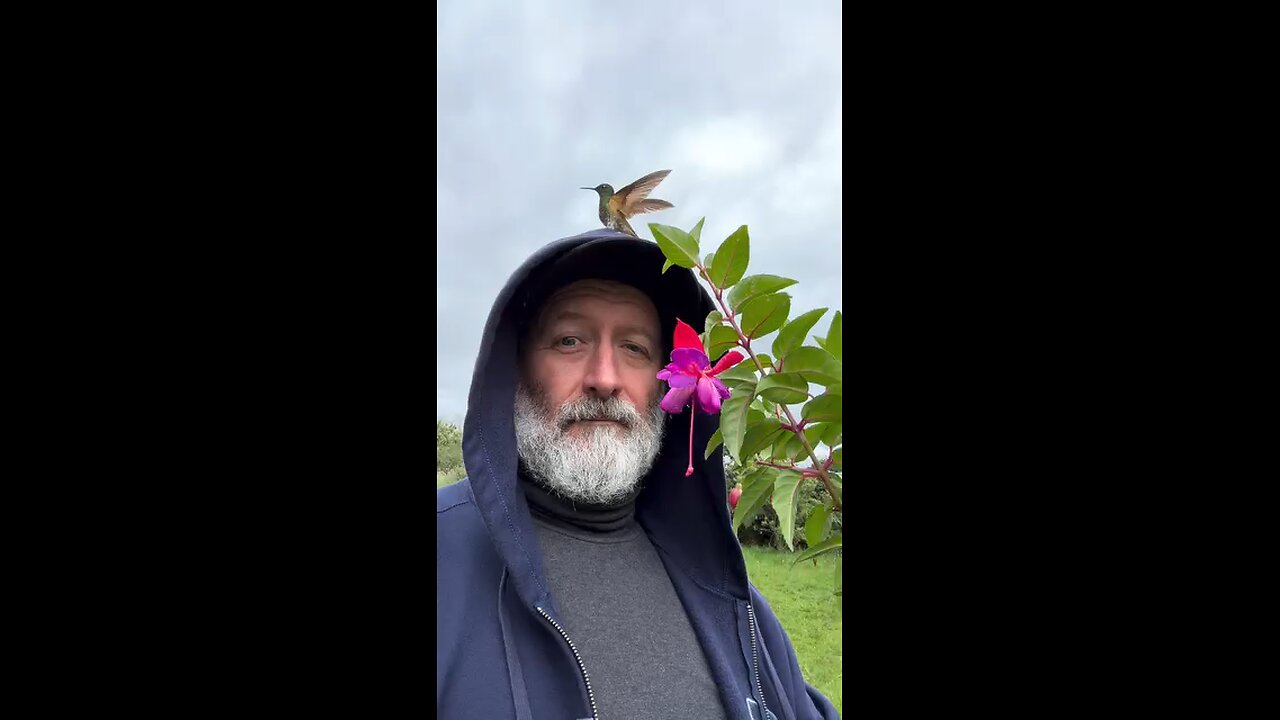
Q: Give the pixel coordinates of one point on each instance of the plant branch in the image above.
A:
(745, 342)
(777, 466)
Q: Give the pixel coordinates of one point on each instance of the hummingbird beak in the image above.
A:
(586, 188)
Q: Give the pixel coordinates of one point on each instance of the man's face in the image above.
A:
(587, 417)
(595, 339)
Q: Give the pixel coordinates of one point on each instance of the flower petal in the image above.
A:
(686, 337)
(708, 396)
(720, 388)
(683, 357)
(668, 371)
(731, 358)
(682, 380)
(676, 399)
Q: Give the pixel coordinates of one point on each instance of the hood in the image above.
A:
(686, 517)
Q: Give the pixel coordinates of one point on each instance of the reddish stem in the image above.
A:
(693, 410)
(780, 467)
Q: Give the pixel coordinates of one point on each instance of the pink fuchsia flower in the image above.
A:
(692, 379)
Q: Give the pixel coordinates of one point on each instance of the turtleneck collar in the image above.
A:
(553, 509)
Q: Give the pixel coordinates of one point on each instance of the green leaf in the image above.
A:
(815, 364)
(756, 488)
(714, 318)
(706, 259)
(830, 544)
(740, 373)
(818, 430)
(765, 360)
(824, 408)
(760, 436)
(733, 420)
(754, 286)
(813, 435)
(785, 489)
(831, 434)
(765, 314)
(789, 388)
(792, 448)
(737, 384)
(712, 444)
(754, 417)
(792, 336)
(779, 451)
(667, 265)
(796, 449)
(834, 340)
(731, 259)
(721, 339)
(696, 232)
(817, 526)
(835, 389)
(679, 247)
(837, 459)
(764, 406)
(738, 381)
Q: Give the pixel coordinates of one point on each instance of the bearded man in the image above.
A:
(579, 572)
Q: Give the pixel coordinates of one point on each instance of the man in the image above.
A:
(579, 572)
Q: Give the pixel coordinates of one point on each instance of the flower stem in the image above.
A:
(819, 469)
(693, 410)
(777, 466)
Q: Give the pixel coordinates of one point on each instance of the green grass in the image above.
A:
(449, 477)
(801, 598)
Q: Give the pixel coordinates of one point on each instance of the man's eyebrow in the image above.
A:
(547, 322)
(639, 330)
(566, 315)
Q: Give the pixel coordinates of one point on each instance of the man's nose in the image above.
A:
(602, 377)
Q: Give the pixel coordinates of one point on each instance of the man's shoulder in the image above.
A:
(453, 496)
(461, 537)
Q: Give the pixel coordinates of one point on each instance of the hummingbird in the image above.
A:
(616, 207)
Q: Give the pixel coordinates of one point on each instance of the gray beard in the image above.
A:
(601, 466)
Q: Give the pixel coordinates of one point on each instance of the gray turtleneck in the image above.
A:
(621, 612)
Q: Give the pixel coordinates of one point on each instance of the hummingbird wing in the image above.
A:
(651, 205)
(628, 199)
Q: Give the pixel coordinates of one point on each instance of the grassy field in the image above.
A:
(448, 477)
(801, 597)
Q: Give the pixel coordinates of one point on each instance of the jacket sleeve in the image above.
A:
(807, 703)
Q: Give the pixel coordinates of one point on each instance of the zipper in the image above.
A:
(755, 661)
(586, 679)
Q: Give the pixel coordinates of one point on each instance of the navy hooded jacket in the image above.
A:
(502, 651)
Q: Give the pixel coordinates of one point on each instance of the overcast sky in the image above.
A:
(741, 100)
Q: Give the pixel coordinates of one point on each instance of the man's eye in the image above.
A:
(568, 342)
(636, 349)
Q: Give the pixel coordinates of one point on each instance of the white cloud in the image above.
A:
(725, 146)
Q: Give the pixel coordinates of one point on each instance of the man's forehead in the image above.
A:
(562, 300)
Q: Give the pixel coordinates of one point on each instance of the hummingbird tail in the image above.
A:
(625, 227)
